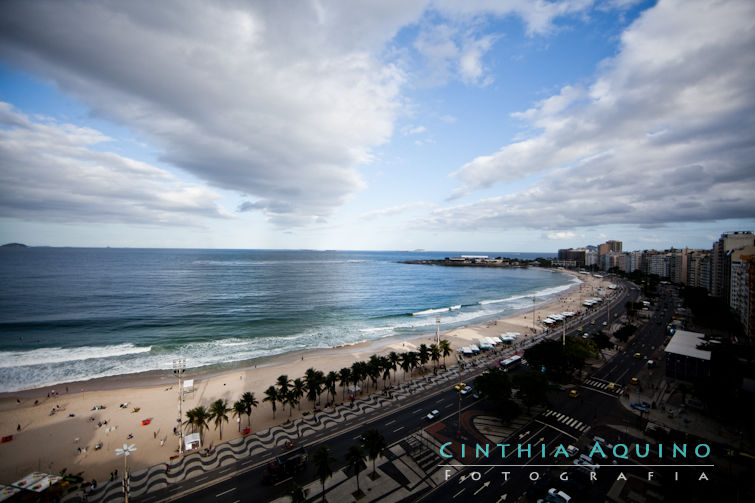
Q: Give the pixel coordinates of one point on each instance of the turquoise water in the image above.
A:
(73, 313)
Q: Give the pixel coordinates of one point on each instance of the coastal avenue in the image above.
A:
(396, 422)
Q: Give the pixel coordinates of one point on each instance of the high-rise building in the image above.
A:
(568, 255)
(698, 269)
(742, 291)
(721, 271)
(608, 247)
(678, 266)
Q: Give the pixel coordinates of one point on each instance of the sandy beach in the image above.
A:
(61, 429)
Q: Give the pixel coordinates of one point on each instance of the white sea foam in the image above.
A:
(47, 356)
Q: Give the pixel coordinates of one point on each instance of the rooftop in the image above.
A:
(685, 343)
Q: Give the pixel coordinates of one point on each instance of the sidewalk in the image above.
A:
(671, 412)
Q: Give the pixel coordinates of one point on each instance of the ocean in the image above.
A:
(69, 314)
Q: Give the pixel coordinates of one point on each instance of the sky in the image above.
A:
(483, 125)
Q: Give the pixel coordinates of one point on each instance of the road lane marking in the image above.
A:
(225, 492)
(397, 429)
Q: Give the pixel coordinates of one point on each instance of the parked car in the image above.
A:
(559, 496)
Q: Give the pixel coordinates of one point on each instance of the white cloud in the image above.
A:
(258, 99)
(412, 130)
(395, 210)
(281, 104)
(55, 172)
(561, 235)
(683, 69)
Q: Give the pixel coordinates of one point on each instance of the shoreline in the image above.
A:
(49, 441)
(158, 377)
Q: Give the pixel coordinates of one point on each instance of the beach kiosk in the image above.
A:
(191, 441)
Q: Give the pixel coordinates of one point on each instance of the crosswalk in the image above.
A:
(605, 386)
(564, 420)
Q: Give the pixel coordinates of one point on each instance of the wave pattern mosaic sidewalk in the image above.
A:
(256, 448)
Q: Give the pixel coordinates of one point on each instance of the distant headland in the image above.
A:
(480, 261)
(14, 245)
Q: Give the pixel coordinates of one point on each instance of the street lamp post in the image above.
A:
(458, 389)
(178, 369)
(125, 451)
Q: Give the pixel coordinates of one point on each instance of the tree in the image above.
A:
(330, 385)
(313, 379)
(239, 409)
(424, 355)
(358, 373)
(493, 384)
(199, 417)
(297, 390)
(532, 386)
(297, 493)
(249, 402)
(218, 413)
(374, 369)
(445, 350)
(284, 383)
(394, 360)
(321, 459)
(291, 399)
(409, 362)
(435, 355)
(354, 460)
(345, 377)
(375, 444)
(271, 395)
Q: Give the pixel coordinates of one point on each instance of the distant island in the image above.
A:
(14, 245)
(480, 261)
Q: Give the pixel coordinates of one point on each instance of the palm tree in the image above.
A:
(190, 420)
(409, 361)
(313, 379)
(354, 459)
(445, 350)
(290, 399)
(405, 363)
(345, 377)
(239, 409)
(297, 389)
(199, 417)
(297, 493)
(373, 369)
(435, 355)
(330, 384)
(394, 359)
(284, 383)
(249, 402)
(321, 459)
(386, 366)
(219, 412)
(356, 373)
(375, 444)
(424, 355)
(272, 396)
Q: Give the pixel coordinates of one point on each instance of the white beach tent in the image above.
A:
(191, 441)
(188, 386)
